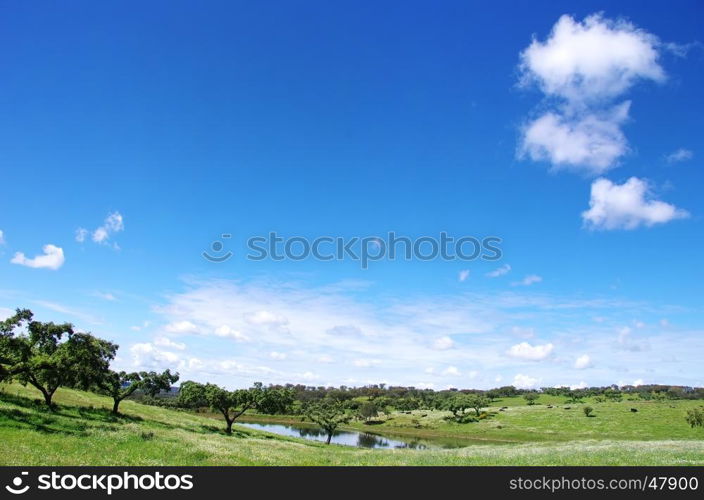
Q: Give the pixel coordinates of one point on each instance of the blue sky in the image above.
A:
(158, 127)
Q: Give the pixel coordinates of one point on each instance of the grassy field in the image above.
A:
(83, 432)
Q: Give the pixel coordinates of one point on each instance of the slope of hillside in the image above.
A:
(82, 431)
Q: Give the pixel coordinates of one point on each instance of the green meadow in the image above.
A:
(82, 431)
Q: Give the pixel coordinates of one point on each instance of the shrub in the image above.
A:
(695, 417)
(588, 411)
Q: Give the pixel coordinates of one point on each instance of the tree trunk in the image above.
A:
(47, 399)
(228, 430)
(116, 406)
(329, 438)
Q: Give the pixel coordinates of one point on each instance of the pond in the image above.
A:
(350, 438)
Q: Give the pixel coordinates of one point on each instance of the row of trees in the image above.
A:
(52, 355)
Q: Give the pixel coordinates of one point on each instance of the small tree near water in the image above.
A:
(328, 414)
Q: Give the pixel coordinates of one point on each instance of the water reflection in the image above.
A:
(348, 438)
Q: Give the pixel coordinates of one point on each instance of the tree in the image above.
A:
(530, 397)
(460, 403)
(52, 355)
(695, 417)
(368, 410)
(232, 404)
(276, 400)
(478, 402)
(122, 385)
(328, 414)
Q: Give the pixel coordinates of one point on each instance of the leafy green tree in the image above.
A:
(530, 397)
(328, 414)
(120, 385)
(695, 417)
(232, 404)
(478, 402)
(368, 410)
(276, 400)
(460, 403)
(51, 355)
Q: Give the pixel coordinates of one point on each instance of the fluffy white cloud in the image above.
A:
(521, 381)
(679, 155)
(581, 385)
(500, 271)
(451, 371)
(594, 59)
(585, 66)
(528, 280)
(591, 142)
(626, 206)
(443, 343)
(463, 275)
(81, 234)
(2, 237)
(168, 343)
(279, 356)
(53, 258)
(530, 352)
(582, 362)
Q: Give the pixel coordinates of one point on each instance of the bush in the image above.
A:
(695, 417)
(588, 411)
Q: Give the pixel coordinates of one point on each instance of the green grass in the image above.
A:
(83, 432)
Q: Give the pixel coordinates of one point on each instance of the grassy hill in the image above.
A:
(82, 431)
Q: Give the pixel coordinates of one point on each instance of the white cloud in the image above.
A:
(451, 371)
(325, 359)
(528, 280)
(2, 237)
(168, 343)
(137, 328)
(226, 331)
(679, 155)
(581, 385)
(463, 275)
(590, 142)
(279, 356)
(530, 352)
(582, 362)
(626, 206)
(594, 59)
(638, 382)
(584, 67)
(53, 258)
(500, 271)
(181, 327)
(81, 234)
(443, 343)
(113, 223)
(521, 381)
